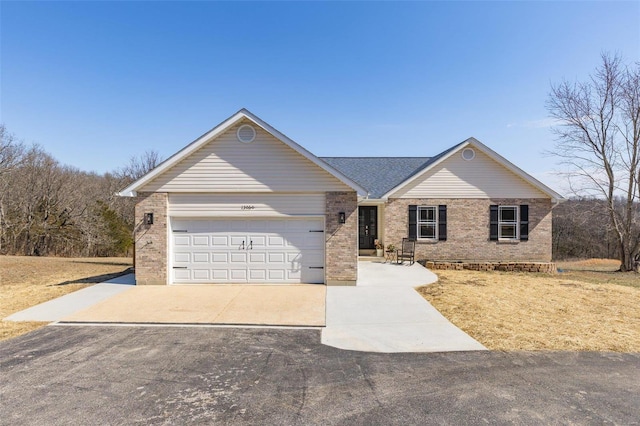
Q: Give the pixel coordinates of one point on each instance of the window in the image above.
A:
(507, 223)
(427, 223)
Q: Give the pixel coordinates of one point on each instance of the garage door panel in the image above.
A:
(238, 275)
(238, 257)
(314, 239)
(238, 241)
(256, 257)
(181, 240)
(275, 241)
(219, 225)
(201, 274)
(238, 225)
(182, 274)
(276, 226)
(257, 225)
(219, 241)
(243, 250)
(277, 275)
(198, 226)
(295, 240)
(220, 275)
(297, 226)
(257, 274)
(218, 257)
(200, 240)
(258, 241)
(313, 258)
(294, 274)
(276, 257)
(312, 275)
(200, 257)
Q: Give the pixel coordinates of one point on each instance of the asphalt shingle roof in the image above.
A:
(378, 174)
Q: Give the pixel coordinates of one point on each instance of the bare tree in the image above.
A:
(140, 165)
(599, 139)
(11, 151)
(11, 156)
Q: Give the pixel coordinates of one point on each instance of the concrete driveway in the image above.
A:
(119, 301)
(176, 375)
(269, 305)
(384, 313)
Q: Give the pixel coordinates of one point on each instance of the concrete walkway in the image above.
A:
(63, 306)
(384, 313)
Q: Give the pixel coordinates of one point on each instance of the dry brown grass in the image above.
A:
(604, 265)
(28, 281)
(598, 271)
(519, 311)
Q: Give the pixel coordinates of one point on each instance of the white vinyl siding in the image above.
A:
(246, 205)
(227, 165)
(481, 177)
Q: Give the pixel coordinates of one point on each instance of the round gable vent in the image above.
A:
(246, 133)
(468, 154)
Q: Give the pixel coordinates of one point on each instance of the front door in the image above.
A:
(367, 226)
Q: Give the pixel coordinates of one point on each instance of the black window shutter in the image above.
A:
(442, 223)
(524, 222)
(493, 223)
(413, 222)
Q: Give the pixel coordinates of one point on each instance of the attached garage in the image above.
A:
(256, 250)
(245, 204)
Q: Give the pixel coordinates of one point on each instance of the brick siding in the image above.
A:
(151, 240)
(468, 231)
(341, 238)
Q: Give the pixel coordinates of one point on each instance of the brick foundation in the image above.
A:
(543, 267)
(151, 240)
(341, 238)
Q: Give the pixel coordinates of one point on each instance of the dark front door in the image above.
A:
(367, 226)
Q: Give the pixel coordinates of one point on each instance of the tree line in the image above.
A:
(51, 209)
(581, 229)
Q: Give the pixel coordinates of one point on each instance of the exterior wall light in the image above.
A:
(148, 218)
(342, 217)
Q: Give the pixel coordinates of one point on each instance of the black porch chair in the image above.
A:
(407, 251)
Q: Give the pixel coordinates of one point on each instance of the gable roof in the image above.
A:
(378, 174)
(473, 142)
(131, 190)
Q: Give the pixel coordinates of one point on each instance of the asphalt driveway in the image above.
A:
(177, 375)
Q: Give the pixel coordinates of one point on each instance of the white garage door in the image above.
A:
(247, 250)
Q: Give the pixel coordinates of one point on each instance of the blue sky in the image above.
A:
(97, 82)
